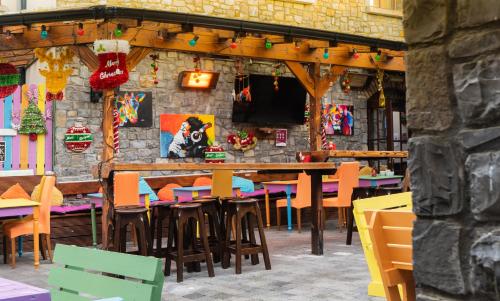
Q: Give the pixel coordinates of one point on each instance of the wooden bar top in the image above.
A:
(321, 156)
(109, 167)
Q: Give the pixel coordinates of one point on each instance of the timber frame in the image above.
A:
(301, 49)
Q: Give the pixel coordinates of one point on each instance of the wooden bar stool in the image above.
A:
(210, 207)
(160, 212)
(182, 214)
(128, 211)
(239, 208)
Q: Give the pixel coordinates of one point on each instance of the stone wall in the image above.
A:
(453, 88)
(142, 144)
(348, 16)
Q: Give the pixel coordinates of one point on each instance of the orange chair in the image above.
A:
(348, 173)
(16, 228)
(301, 200)
(167, 192)
(202, 181)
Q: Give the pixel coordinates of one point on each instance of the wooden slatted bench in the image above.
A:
(391, 235)
(84, 274)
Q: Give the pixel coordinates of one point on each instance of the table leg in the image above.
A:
(317, 221)
(36, 242)
(289, 206)
(268, 214)
(20, 246)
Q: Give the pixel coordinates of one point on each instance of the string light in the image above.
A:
(80, 31)
(193, 41)
(355, 54)
(268, 44)
(44, 33)
(378, 56)
(8, 35)
(233, 44)
(326, 55)
(297, 45)
(118, 31)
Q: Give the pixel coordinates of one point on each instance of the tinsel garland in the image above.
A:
(9, 79)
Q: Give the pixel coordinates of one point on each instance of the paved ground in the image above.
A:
(341, 274)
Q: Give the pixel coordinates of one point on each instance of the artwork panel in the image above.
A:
(135, 108)
(338, 119)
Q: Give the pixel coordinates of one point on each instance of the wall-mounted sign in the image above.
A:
(2, 151)
(281, 137)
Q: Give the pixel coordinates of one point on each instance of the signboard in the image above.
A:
(2, 151)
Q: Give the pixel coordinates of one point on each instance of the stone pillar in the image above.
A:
(453, 92)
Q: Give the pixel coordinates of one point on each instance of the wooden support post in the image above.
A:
(315, 111)
(107, 155)
(317, 220)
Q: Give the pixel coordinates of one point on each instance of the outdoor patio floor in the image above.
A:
(340, 274)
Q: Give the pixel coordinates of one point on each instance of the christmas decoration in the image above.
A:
(116, 134)
(112, 71)
(44, 34)
(80, 31)
(307, 113)
(215, 154)
(233, 44)
(378, 56)
(326, 55)
(346, 82)
(332, 146)
(268, 44)
(57, 74)
(380, 87)
(277, 71)
(78, 137)
(355, 54)
(242, 140)
(118, 30)
(304, 158)
(33, 122)
(154, 68)
(9, 79)
(193, 41)
(324, 143)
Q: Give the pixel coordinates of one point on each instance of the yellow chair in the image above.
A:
(301, 200)
(391, 234)
(402, 201)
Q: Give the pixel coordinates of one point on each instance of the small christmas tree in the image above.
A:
(33, 122)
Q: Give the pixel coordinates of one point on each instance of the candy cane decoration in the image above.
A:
(324, 143)
(116, 136)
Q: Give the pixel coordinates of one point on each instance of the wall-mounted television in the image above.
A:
(270, 107)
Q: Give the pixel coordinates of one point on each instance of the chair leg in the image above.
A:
(299, 220)
(251, 233)
(226, 255)
(49, 247)
(263, 242)
(13, 252)
(5, 249)
(133, 234)
(409, 287)
(170, 242)
(392, 293)
(278, 217)
(238, 242)
(43, 246)
(350, 225)
(180, 250)
(206, 248)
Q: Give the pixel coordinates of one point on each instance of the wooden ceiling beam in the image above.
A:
(302, 75)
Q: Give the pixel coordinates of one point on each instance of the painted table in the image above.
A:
(19, 207)
(289, 187)
(184, 194)
(329, 185)
(17, 291)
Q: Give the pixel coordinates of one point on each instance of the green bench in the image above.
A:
(86, 274)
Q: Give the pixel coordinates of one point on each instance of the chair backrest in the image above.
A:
(167, 192)
(391, 235)
(202, 181)
(47, 184)
(126, 189)
(76, 275)
(348, 180)
(304, 189)
(222, 183)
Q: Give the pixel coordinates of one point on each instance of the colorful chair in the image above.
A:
(161, 211)
(17, 228)
(301, 200)
(348, 180)
(202, 181)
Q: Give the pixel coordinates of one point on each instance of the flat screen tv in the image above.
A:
(270, 107)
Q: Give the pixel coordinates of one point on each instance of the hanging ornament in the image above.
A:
(306, 114)
(57, 74)
(9, 79)
(324, 143)
(346, 82)
(116, 134)
(154, 68)
(80, 31)
(215, 154)
(233, 44)
(44, 34)
(78, 137)
(33, 122)
(242, 140)
(332, 146)
(268, 44)
(277, 71)
(118, 31)
(112, 71)
(193, 41)
(380, 88)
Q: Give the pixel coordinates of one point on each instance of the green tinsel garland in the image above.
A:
(9, 79)
(33, 121)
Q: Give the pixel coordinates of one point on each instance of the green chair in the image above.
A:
(87, 274)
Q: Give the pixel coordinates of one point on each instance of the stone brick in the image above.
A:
(476, 12)
(485, 257)
(436, 176)
(428, 100)
(434, 266)
(434, 13)
(460, 46)
(484, 178)
(477, 86)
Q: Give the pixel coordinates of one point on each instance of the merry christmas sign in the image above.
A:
(112, 71)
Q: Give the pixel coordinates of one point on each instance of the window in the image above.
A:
(387, 4)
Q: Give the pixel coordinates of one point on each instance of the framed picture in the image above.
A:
(135, 108)
(338, 119)
(186, 135)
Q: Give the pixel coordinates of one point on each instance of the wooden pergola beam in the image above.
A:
(302, 75)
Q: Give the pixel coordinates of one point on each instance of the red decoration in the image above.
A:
(9, 79)
(33, 136)
(116, 136)
(242, 140)
(58, 96)
(112, 71)
(332, 146)
(78, 138)
(215, 154)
